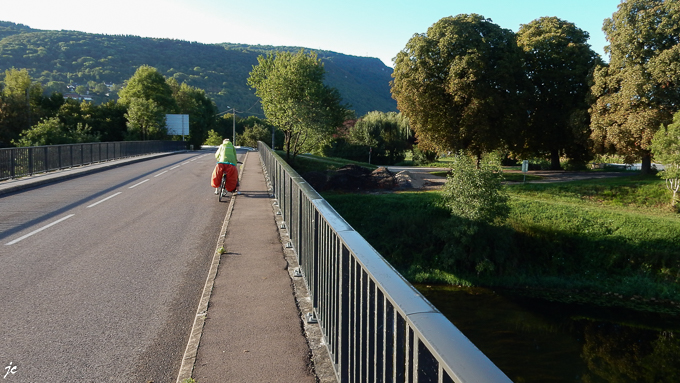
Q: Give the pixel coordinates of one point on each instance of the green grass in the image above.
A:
(646, 194)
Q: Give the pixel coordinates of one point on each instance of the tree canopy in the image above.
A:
(295, 99)
(639, 90)
(460, 84)
(558, 62)
(148, 84)
(52, 131)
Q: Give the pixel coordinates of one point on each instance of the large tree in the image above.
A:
(385, 134)
(640, 88)
(295, 99)
(200, 108)
(558, 62)
(23, 105)
(148, 98)
(146, 120)
(460, 85)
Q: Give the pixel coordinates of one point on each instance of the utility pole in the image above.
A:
(28, 107)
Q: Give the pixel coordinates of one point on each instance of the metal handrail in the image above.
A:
(377, 326)
(27, 161)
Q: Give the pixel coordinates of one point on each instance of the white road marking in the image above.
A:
(39, 230)
(174, 167)
(160, 173)
(105, 199)
(137, 184)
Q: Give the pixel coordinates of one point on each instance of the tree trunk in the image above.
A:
(555, 160)
(646, 166)
(287, 145)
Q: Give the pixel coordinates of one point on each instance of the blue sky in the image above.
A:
(373, 28)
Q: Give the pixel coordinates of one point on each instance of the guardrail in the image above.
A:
(377, 326)
(26, 161)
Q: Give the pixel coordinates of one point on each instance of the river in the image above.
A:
(533, 340)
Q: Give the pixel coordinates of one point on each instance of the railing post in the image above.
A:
(12, 163)
(30, 161)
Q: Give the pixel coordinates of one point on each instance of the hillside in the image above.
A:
(58, 59)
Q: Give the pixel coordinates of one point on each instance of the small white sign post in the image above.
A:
(525, 169)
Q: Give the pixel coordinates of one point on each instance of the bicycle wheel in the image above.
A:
(221, 189)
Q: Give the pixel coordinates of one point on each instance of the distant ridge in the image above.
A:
(59, 58)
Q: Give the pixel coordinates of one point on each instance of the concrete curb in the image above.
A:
(189, 358)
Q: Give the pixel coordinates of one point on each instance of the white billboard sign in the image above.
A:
(177, 124)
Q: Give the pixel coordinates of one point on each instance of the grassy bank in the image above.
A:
(605, 241)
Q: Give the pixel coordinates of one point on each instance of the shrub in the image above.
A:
(476, 193)
(477, 201)
(424, 157)
(666, 149)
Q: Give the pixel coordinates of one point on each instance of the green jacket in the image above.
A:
(226, 154)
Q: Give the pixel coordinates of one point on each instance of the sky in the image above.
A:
(367, 28)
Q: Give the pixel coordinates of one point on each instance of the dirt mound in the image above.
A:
(352, 178)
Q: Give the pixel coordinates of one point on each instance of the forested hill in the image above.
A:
(61, 58)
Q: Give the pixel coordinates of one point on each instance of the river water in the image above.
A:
(533, 340)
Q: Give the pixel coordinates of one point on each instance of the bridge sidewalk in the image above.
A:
(252, 330)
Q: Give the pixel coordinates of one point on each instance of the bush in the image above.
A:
(424, 157)
(477, 201)
(476, 193)
(666, 149)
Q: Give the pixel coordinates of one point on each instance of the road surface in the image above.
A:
(101, 275)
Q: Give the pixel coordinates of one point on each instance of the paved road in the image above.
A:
(101, 274)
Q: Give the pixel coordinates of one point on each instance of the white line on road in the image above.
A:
(174, 167)
(39, 230)
(160, 173)
(137, 184)
(105, 199)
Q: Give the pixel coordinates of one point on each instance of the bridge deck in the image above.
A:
(252, 330)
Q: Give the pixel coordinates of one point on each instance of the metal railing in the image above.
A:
(377, 326)
(26, 161)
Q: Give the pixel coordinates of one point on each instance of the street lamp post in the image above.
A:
(233, 119)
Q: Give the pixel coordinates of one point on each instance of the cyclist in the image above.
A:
(226, 163)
